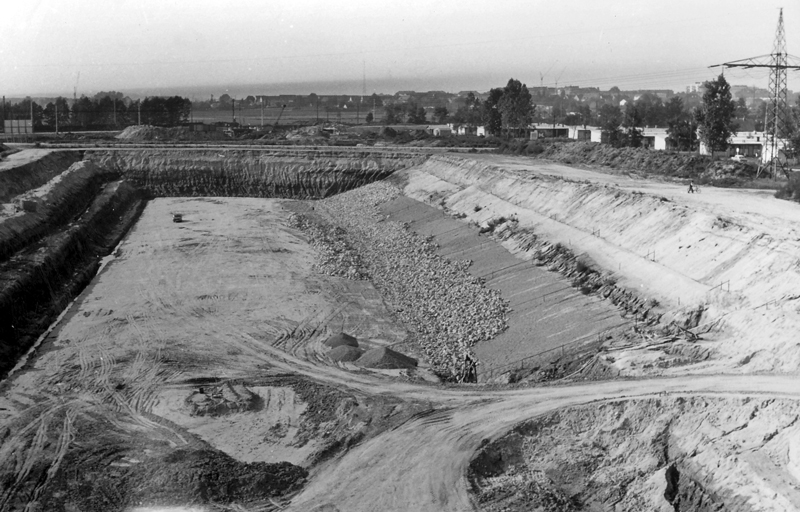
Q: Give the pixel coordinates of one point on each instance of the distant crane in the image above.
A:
(283, 107)
(542, 75)
(75, 89)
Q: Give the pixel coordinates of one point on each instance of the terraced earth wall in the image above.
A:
(297, 174)
(81, 211)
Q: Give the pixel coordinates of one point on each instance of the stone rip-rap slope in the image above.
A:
(678, 254)
(288, 173)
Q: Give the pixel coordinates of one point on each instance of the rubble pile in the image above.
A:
(336, 257)
(449, 309)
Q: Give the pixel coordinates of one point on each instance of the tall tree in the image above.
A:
(490, 113)
(633, 123)
(680, 125)
(516, 106)
(610, 118)
(440, 114)
(715, 116)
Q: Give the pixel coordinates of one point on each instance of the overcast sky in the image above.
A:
(326, 46)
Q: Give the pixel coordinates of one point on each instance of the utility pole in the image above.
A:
(777, 122)
(139, 118)
(56, 116)
(233, 109)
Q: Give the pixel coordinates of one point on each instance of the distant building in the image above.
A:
(548, 131)
(655, 138)
(696, 87)
(440, 130)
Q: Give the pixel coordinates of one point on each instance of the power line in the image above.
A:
(777, 122)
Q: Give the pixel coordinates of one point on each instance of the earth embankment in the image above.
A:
(26, 170)
(297, 174)
(703, 263)
(661, 454)
(50, 254)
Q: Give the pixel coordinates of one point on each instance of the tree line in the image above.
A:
(506, 110)
(105, 111)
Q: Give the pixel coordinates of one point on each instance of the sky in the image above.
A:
(199, 47)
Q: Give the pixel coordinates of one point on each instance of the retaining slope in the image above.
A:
(39, 281)
(21, 172)
(695, 250)
(286, 173)
(58, 201)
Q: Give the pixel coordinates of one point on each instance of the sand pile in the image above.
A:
(337, 340)
(386, 358)
(345, 353)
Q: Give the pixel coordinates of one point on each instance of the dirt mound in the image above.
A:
(147, 132)
(386, 358)
(337, 340)
(307, 132)
(188, 475)
(219, 400)
(345, 353)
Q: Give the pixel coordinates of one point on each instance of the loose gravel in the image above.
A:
(448, 309)
(336, 257)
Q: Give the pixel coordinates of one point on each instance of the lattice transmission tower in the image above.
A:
(778, 122)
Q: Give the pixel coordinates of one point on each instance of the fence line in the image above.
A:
(521, 363)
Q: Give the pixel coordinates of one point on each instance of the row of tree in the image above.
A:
(506, 110)
(107, 111)
(510, 110)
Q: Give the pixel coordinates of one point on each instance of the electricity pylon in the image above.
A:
(778, 122)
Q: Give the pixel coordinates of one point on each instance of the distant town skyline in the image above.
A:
(303, 46)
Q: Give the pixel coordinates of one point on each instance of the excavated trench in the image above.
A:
(81, 209)
(618, 454)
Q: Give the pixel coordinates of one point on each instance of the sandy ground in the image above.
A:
(22, 157)
(230, 294)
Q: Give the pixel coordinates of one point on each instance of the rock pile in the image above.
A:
(335, 255)
(449, 309)
(219, 400)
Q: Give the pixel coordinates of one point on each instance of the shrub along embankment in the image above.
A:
(38, 281)
(299, 174)
(17, 179)
(673, 164)
(677, 254)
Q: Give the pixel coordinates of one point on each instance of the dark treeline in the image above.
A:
(105, 111)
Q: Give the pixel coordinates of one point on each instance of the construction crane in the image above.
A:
(283, 107)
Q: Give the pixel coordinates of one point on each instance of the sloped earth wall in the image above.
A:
(40, 280)
(662, 454)
(298, 174)
(695, 250)
(16, 179)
